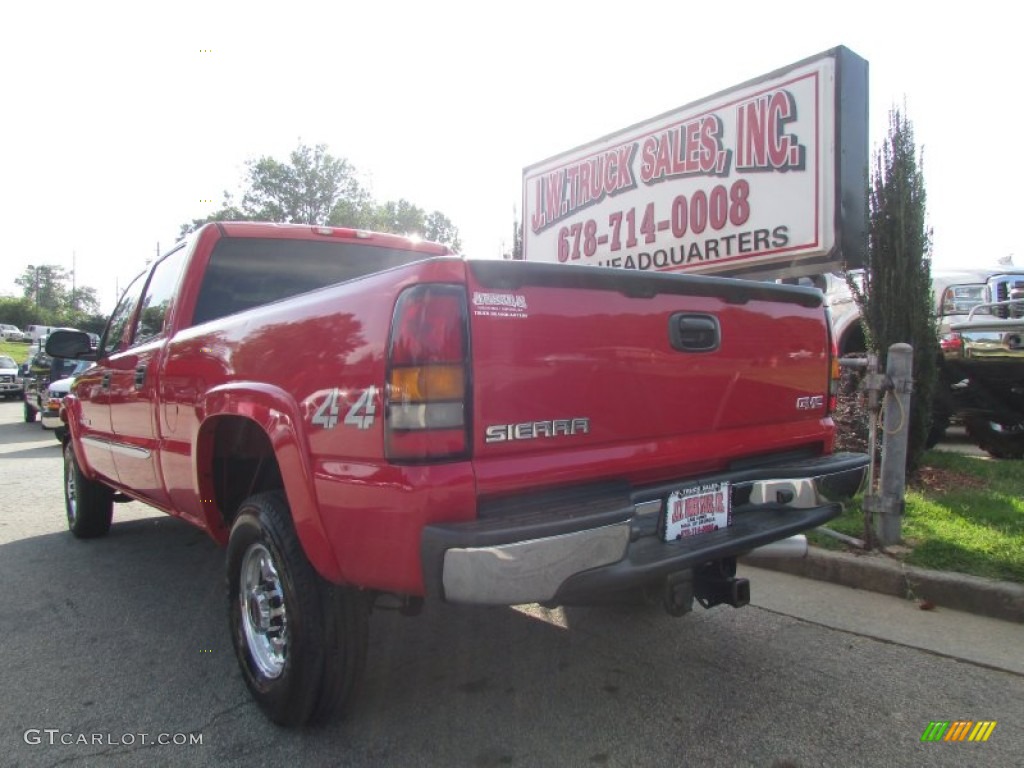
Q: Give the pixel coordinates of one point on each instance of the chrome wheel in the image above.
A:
(88, 504)
(300, 641)
(264, 617)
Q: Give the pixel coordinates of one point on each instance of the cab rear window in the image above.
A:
(244, 273)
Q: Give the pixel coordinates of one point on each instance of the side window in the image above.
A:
(115, 338)
(158, 296)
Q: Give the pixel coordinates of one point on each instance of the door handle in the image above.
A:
(140, 376)
(694, 333)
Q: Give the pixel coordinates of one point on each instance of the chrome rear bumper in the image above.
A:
(558, 548)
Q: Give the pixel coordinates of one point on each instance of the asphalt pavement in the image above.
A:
(111, 644)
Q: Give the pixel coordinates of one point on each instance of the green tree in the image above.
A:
(228, 212)
(314, 187)
(439, 228)
(22, 312)
(46, 286)
(58, 304)
(896, 300)
(355, 211)
(399, 217)
(91, 322)
(302, 191)
(83, 300)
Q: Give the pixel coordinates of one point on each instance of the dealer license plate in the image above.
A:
(696, 510)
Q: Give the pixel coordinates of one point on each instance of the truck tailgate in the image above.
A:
(592, 372)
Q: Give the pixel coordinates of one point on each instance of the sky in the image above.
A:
(121, 121)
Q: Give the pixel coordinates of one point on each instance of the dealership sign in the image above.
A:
(766, 179)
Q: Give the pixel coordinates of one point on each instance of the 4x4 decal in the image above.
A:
(361, 415)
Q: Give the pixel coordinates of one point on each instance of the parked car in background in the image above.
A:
(49, 411)
(10, 383)
(981, 333)
(38, 333)
(11, 332)
(980, 315)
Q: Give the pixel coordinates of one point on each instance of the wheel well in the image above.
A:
(853, 341)
(242, 463)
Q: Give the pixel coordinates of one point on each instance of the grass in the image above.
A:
(963, 513)
(18, 350)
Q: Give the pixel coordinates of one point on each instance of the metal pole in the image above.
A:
(899, 370)
(874, 385)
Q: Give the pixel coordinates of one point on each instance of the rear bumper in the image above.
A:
(985, 340)
(572, 546)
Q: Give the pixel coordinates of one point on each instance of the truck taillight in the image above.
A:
(427, 375)
(834, 372)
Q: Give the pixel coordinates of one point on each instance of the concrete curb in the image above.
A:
(879, 573)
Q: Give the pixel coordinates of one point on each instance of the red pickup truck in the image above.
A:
(359, 417)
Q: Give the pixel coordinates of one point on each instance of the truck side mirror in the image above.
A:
(73, 344)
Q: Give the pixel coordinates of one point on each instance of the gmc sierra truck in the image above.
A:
(361, 417)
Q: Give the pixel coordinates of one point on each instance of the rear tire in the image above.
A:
(1002, 441)
(300, 642)
(89, 505)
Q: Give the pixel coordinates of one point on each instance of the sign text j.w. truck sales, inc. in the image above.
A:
(765, 179)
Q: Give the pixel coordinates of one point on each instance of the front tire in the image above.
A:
(89, 505)
(300, 642)
(29, 413)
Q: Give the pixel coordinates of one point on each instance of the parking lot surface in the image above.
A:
(113, 646)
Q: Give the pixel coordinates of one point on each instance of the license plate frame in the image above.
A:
(696, 510)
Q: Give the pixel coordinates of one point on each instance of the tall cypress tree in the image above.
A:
(896, 303)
